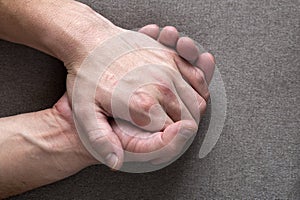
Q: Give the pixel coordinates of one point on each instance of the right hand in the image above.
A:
(71, 35)
(154, 98)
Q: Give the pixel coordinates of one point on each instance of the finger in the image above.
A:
(126, 131)
(142, 146)
(133, 140)
(176, 138)
(173, 105)
(107, 144)
(187, 49)
(206, 63)
(152, 30)
(191, 99)
(169, 36)
(141, 141)
(170, 102)
(147, 113)
(193, 76)
(97, 136)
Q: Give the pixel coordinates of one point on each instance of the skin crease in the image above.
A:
(44, 25)
(48, 149)
(52, 139)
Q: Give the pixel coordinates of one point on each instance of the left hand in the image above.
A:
(141, 144)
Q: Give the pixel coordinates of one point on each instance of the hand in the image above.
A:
(167, 98)
(145, 143)
(152, 102)
(71, 35)
(79, 157)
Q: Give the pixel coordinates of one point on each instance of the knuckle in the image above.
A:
(166, 93)
(174, 104)
(193, 128)
(199, 75)
(164, 89)
(144, 102)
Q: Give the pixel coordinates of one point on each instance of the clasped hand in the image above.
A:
(135, 99)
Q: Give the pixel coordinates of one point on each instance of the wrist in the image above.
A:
(37, 149)
(65, 29)
(75, 34)
(66, 141)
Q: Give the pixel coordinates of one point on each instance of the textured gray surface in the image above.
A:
(256, 44)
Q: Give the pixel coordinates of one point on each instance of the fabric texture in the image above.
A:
(256, 45)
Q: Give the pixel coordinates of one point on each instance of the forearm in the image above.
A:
(57, 27)
(37, 149)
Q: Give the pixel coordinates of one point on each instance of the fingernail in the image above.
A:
(112, 160)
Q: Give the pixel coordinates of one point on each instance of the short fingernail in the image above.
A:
(112, 160)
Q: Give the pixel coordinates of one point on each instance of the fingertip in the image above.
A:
(152, 30)
(187, 49)
(169, 36)
(176, 137)
(169, 133)
(212, 58)
(107, 148)
(206, 62)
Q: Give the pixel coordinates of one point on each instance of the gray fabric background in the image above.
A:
(256, 45)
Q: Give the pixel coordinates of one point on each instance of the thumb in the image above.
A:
(106, 148)
(100, 140)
